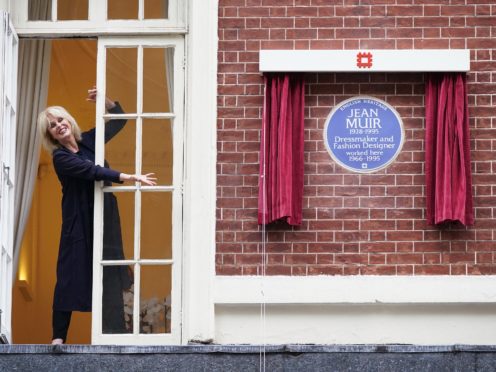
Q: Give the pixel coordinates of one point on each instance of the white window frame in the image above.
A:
(97, 23)
(9, 43)
(177, 119)
(199, 199)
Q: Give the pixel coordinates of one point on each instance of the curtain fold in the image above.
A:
(281, 152)
(33, 74)
(447, 164)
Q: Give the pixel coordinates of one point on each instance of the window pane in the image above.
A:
(118, 226)
(158, 79)
(156, 225)
(40, 10)
(121, 76)
(122, 9)
(117, 299)
(155, 299)
(156, 9)
(120, 151)
(72, 10)
(158, 149)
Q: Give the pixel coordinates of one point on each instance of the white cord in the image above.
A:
(264, 238)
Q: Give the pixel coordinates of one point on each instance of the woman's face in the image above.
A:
(59, 128)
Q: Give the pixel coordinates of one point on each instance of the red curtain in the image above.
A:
(281, 152)
(447, 163)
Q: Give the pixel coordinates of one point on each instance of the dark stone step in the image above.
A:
(245, 358)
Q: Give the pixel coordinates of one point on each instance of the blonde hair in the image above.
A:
(43, 123)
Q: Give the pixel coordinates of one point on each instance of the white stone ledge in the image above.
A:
(354, 289)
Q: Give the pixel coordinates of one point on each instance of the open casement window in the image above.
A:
(8, 69)
(138, 228)
(96, 16)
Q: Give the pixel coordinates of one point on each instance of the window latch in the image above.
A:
(6, 172)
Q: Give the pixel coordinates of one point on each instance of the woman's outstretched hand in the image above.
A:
(147, 179)
(109, 104)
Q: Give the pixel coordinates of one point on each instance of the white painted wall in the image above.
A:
(421, 324)
(424, 310)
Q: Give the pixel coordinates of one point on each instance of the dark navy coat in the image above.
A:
(77, 173)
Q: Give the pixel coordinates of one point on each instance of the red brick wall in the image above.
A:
(353, 224)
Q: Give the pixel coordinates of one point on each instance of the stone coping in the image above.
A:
(240, 349)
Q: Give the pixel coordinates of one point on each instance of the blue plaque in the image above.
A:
(364, 134)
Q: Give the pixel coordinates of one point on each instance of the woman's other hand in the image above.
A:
(109, 104)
